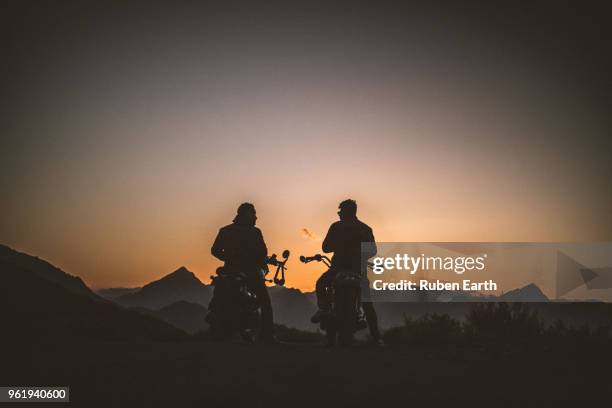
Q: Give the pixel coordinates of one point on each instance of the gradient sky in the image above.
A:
(132, 133)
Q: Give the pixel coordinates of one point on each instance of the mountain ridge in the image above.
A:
(291, 306)
(530, 292)
(179, 285)
(36, 309)
(46, 271)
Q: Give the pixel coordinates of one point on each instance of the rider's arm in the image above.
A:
(371, 248)
(262, 249)
(329, 243)
(217, 249)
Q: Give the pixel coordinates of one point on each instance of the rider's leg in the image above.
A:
(372, 319)
(322, 298)
(370, 312)
(322, 283)
(258, 286)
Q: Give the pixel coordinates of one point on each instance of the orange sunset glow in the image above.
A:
(122, 164)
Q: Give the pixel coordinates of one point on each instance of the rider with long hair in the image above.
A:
(240, 245)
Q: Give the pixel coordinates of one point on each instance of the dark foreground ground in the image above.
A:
(291, 375)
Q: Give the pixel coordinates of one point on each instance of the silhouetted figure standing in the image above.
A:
(240, 245)
(344, 239)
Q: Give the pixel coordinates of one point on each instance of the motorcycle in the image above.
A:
(344, 316)
(234, 307)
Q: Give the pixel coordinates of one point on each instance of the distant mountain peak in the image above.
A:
(534, 290)
(182, 270)
(182, 284)
(182, 274)
(530, 292)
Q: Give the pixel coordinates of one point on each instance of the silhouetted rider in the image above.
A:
(240, 245)
(344, 239)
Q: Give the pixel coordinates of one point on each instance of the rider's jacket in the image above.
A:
(344, 239)
(241, 246)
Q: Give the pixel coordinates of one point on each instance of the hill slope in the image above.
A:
(45, 270)
(186, 316)
(37, 310)
(114, 293)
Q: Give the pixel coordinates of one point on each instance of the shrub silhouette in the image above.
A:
(512, 321)
(500, 324)
(429, 329)
(560, 332)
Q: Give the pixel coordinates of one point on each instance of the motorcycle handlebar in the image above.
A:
(317, 257)
(322, 258)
